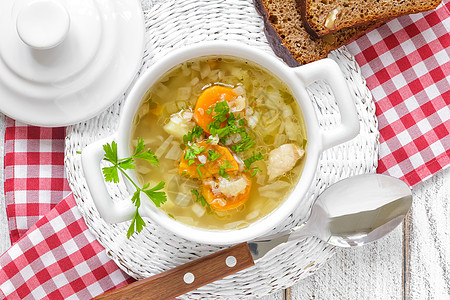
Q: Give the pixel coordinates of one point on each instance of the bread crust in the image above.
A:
(315, 15)
(273, 38)
(312, 32)
(290, 40)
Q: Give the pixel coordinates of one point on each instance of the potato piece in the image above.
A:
(180, 124)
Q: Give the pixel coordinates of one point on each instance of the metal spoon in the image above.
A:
(353, 212)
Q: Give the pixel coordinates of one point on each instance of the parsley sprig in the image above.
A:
(111, 174)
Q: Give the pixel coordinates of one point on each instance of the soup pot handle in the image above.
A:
(110, 211)
(328, 70)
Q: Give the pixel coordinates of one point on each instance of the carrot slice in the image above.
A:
(221, 202)
(210, 97)
(210, 167)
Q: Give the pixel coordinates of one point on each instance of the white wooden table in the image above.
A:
(413, 262)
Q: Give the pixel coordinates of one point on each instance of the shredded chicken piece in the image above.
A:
(228, 188)
(283, 159)
(233, 187)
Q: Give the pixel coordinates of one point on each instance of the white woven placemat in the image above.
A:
(171, 25)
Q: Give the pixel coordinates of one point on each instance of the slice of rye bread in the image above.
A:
(322, 17)
(289, 39)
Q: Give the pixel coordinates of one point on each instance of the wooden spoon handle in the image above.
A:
(188, 277)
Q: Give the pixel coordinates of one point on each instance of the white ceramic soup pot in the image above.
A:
(296, 79)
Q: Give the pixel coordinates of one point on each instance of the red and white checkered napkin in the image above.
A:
(58, 258)
(34, 174)
(406, 63)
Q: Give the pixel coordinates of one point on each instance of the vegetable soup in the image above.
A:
(230, 139)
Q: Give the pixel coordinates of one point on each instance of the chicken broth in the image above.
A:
(230, 139)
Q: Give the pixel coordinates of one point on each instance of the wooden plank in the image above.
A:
(373, 271)
(427, 274)
(287, 294)
(406, 254)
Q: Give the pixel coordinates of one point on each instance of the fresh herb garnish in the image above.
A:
(199, 198)
(137, 224)
(255, 170)
(213, 155)
(195, 132)
(111, 174)
(198, 169)
(191, 153)
(246, 143)
(222, 169)
(221, 109)
(233, 126)
(210, 110)
(249, 161)
(255, 157)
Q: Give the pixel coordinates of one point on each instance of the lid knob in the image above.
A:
(43, 24)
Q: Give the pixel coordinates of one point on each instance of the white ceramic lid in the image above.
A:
(63, 61)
